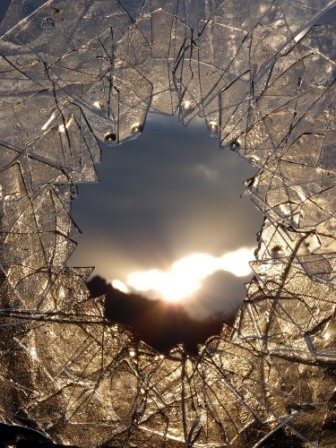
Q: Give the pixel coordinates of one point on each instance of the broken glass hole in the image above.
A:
(170, 178)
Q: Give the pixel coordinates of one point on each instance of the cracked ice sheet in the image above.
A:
(76, 76)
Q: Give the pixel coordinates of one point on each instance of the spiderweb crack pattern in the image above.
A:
(77, 76)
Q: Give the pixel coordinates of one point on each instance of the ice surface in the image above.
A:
(76, 76)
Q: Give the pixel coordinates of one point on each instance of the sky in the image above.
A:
(163, 197)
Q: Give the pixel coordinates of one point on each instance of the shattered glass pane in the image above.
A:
(77, 76)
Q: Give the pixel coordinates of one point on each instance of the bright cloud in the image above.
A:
(186, 275)
(118, 284)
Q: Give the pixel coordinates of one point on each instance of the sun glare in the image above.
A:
(187, 274)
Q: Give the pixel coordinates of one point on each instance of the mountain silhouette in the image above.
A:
(161, 325)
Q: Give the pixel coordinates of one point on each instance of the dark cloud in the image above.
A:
(221, 293)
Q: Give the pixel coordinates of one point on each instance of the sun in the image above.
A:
(186, 275)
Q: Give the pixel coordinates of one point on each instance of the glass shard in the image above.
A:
(77, 76)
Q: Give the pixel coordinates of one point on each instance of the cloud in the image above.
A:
(221, 294)
(187, 274)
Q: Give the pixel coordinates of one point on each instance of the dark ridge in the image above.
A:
(159, 324)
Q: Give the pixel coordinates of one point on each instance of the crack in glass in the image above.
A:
(78, 76)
